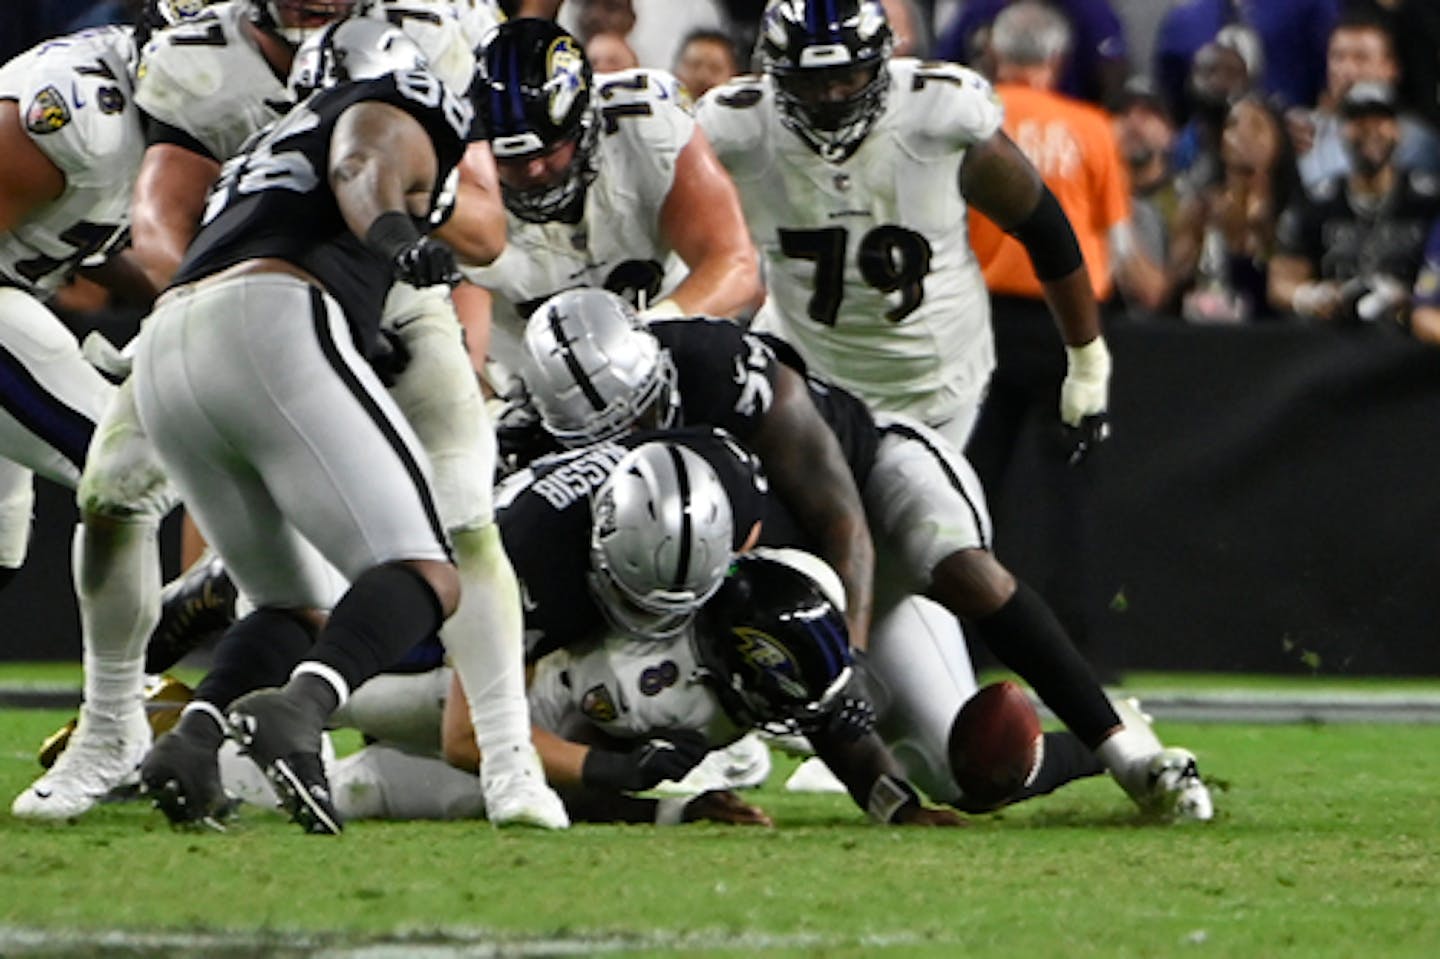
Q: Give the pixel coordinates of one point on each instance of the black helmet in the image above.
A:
(805, 44)
(533, 92)
(773, 643)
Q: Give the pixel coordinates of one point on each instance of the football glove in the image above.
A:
(667, 754)
(1085, 398)
(414, 258)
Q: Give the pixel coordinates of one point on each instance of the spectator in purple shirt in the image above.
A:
(1097, 67)
(1293, 33)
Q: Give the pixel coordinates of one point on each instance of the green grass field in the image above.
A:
(1326, 844)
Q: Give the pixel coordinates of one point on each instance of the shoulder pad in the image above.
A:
(205, 77)
(74, 98)
(943, 101)
(733, 114)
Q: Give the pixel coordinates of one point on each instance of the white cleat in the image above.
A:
(516, 793)
(1175, 789)
(1167, 784)
(103, 754)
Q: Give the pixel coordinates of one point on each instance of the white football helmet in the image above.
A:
(351, 50)
(594, 370)
(660, 539)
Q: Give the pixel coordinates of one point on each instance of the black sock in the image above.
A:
(1066, 759)
(258, 651)
(1026, 637)
(387, 610)
(7, 573)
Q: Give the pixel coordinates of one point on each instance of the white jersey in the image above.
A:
(479, 18)
(617, 243)
(869, 270)
(629, 689)
(206, 78)
(441, 34)
(75, 99)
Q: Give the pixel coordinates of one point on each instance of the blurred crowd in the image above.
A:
(1279, 157)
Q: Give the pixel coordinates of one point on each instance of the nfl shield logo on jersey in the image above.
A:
(47, 112)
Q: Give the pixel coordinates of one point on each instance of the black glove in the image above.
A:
(849, 718)
(414, 257)
(1080, 440)
(426, 262)
(667, 754)
(390, 357)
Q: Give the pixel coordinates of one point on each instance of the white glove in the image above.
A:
(102, 355)
(1086, 390)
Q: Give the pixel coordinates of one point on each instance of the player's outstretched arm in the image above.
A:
(808, 471)
(874, 779)
(702, 221)
(997, 179)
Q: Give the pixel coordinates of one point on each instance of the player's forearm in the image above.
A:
(563, 760)
(126, 279)
(1072, 303)
(476, 230)
(727, 285)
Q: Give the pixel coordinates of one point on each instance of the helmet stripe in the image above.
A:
(572, 362)
(682, 479)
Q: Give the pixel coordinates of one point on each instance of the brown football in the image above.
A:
(995, 745)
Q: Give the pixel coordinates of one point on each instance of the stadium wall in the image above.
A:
(1269, 502)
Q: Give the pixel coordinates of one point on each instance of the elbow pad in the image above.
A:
(1049, 239)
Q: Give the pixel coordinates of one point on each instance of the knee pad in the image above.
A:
(123, 478)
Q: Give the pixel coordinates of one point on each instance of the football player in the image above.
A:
(71, 134)
(854, 169)
(588, 367)
(195, 123)
(252, 383)
(604, 178)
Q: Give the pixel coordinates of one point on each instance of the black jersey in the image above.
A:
(544, 516)
(726, 378)
(273, 199)
(1343, 239)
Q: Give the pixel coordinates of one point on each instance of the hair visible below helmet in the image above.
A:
(660, 539)
(773, 640)
(350, 50)
(298, 20)
(533, 91)
(804, 42)
(593, 369)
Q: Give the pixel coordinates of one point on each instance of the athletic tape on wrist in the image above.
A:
(888, 796)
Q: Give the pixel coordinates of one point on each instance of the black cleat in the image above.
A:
(182, 776)
(195, 606)
(284, 742)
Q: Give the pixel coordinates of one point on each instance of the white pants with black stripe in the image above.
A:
(283, 443)
(50, 399)
(924, 502)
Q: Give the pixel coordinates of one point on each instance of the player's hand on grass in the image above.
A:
(722, 805)
(928, 816)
